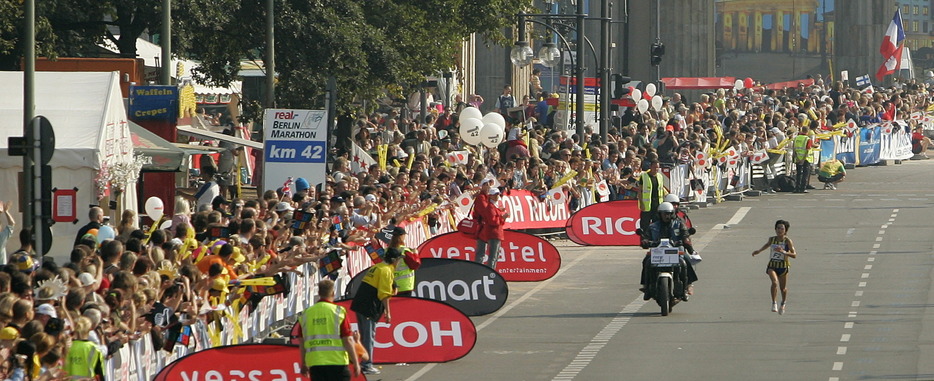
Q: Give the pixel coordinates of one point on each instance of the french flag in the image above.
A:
(891, 48)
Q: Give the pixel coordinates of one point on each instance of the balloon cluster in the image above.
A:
(646, 99)
(476, 128)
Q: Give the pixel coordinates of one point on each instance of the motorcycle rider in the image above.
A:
(683, 216)
(670, 227)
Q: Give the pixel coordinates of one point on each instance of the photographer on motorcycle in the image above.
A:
(670, 227)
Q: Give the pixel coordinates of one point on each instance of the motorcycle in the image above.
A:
(664, 283)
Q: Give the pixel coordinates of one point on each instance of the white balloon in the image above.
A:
(636, 94)
(165, 225)
(471, 112)
(154, 208)
(470, 130)
(650, 89)
(657, 103)
(642, 106)
(491, 135)
(495, 118)
(738, 85)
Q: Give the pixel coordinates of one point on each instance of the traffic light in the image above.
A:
(619, 86)
(658, 50)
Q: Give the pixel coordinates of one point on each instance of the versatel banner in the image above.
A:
(522, 258)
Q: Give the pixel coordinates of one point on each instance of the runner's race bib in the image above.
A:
(775, 254)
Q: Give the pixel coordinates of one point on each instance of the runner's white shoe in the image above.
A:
(774, 307)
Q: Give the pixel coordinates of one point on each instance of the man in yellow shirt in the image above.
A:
(372, 301)
(831, 172)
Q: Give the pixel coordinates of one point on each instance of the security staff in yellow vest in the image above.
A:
(84, 360)
(404, 276)
(327, 341)
(802, 153)
(651, 193)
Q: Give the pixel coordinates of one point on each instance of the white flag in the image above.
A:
(458, 157)
(360, 160)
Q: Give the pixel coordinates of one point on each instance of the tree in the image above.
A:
(367, 45)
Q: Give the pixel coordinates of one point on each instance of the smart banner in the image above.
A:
(422, 330)
(472, 288)
(522, 257)
(294, 145)
(611, 223)
(153, 103)
(528, 211)
(259, 362)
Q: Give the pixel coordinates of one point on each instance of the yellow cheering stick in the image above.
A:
(565, 179)
(382, 152)
(264, 281)
(828, 135)
(428, 209)
(396, 163)
(411, 161)
(152, 229)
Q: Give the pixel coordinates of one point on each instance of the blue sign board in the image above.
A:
(153, 103)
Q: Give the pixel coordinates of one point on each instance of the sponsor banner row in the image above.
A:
(473, 288)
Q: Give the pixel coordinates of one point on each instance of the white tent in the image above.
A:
(91, 133)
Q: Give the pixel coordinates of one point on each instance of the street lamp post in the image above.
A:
(521, 55)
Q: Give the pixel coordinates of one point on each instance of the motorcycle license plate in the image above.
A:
(665, 257)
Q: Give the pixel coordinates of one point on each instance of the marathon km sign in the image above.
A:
(295, 145)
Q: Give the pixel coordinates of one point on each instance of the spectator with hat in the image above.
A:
(492, 219)
(404, 275)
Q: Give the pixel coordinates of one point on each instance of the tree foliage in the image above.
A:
(367, 45)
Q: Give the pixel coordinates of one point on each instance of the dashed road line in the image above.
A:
(841, 350)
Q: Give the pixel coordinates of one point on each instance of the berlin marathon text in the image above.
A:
(280, 134)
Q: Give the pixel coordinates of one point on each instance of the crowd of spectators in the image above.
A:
(131, 282)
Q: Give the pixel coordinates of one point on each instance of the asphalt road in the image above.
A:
(859, 305)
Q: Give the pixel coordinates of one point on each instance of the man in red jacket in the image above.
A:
(491, 219)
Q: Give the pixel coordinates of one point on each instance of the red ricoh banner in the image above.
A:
(528, 211)
(422, 330)
(259, 362)
(611, 223)
(522, 258)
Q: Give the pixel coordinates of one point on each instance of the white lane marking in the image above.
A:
(884, 226)
(852, 314)
(841, 350)
(855, 303)
(878, 239)
(865, 275)
(894, 211)
(833, 379)
(838, 365)
(868, 267)
(876, 246)
(859, 293)
(850, 231)
(848, 325)
(862, 284)
(599, 341)
(739, 215)
(845, 337)
(881, 232)
(507, 308)
(891, 220)
(871, 259)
